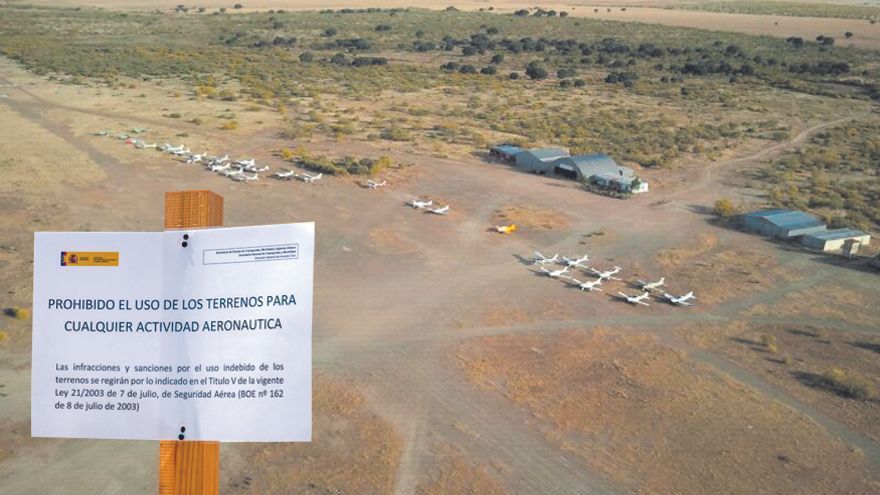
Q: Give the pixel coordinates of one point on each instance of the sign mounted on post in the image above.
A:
(195, 335)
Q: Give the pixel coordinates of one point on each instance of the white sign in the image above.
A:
(195, 335)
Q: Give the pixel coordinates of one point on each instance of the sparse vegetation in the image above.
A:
(17, 313)
(849, 384)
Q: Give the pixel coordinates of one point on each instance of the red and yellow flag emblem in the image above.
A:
(89, 258)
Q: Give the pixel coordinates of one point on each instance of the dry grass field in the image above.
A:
(651, 419)
(444, 361)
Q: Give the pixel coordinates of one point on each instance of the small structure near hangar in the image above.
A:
(834, 240)
(539, 160)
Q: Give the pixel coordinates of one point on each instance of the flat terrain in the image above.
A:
(444, 362)
(649, 12)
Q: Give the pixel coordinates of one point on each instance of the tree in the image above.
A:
(497, 58)
(468, 51)
(330, 32)
(238, 6)
(513, 76)
(490, 70)
(306, 57)
(848, 34)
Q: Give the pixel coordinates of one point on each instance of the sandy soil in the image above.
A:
(803, 353)
(653, 420)
(352, 451)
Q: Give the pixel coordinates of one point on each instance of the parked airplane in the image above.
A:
(680, 301)
(102, 133)
(640, 299)
(540, 259)
(234, 173)
(246, 163)
(142, 145)
(255, 169)
(196, 158)
(220, 167)
(310, 178)
(652, 285)
(420, 204)
(285, 174)
(556, 273)
(576, 263)
(376, 185)
(506, 229)
(250, 178)
(137, 130)
(588, 286)
(608, 274)
(440, 211)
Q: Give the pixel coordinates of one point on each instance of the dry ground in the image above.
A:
(398, 291)
(352, 451)
(800, 355)
(644, 11)
(656, 422)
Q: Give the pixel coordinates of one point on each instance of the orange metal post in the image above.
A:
(190, 468)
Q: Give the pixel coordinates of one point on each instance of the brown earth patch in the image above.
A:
(352, 451)
(532, 217)
(655, 421)
(454, 475)
(796, 360)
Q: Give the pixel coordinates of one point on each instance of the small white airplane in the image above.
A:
(588, 286)
(181, 152)
(246, 163)
(256, 169)
(250, 178)
(420, 204)
(311, 179)
(652, 285)
(376, 185)
(606, 275)
(142, 145)
(137, 130)
(196, 158)
(122, 137)
(640, 299)
(234, 173)
(576, 263)
(285, 174)
(440, 211)
(102, 133)
(680, 301)
(220, 167)
(170, 148)
(556, 273)
(540, 259)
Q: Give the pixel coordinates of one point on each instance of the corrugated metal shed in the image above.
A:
(833, 240)
(539, 159)
(505, 151)
(838, 234)
(782, 223)
(596, 164)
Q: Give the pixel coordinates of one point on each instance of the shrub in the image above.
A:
(306, 57)
(724, 208)
(513, 76)
(497, 58)
(238, 6)
(489, 70)
(330, 32)
(769, 341)
(17, 313)
(396, 134)
(229, 126)
(536, 71)
(849, 384)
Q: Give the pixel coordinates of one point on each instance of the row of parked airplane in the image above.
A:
(427, 206)
(602, 276)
